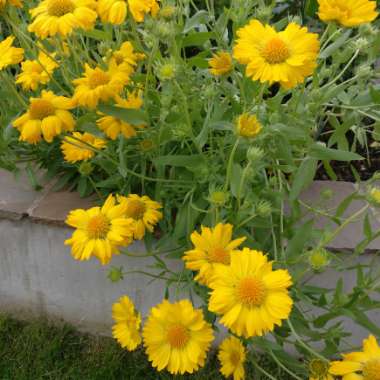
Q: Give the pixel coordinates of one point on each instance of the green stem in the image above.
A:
(287, 370)
(230, 164)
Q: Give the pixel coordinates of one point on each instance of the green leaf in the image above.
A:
(321, 152)
(299, 240)
(197, 39)
(180, 160)
(122, 163)
(130, 115)
(303, 177)
(96, 34)
(200, 18)
(332, 48)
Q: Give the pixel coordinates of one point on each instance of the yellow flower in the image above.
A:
(220, 63)
(112, 11)
(47, 117)
(363, 365)
(232, 355)
(99, 85)
(99, 231)
(126, 55)
(36, 72)
(139, 8)
(73, 150)
(349, 13)
(15, 3)
(61, 17)
(212, 246)
(250, 296)
(143, 211)
(286, 57)
(9, 55)
(319, 370)
(248, 125)
(177, 337)
(126, 330)
(113, 126)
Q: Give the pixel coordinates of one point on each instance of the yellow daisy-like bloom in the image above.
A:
(250, 296)
(126, 55)
(99, 85)
(248, 125)
(220, 63)
(232, 356)
(364, 365)
(143, 211)
(139, 8)
(319, 370)
(61, 17)
(212, 246)
(349, 13)
(99, 231)
(177, 337)
(74, 150)
(113, 126)
(35, 72)
(46, 117)
(10, 55)
(15, 3)
(112, 11)
(126, 330)
(286, 57)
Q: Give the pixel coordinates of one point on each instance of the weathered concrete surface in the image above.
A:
(38, 277)
(353, 233)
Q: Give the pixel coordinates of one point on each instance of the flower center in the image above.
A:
(276, 51)
(371, 370)
(119, 58)
(235, 358)
(251, 291)
(178, 336)
(98, 78)
(59, 8)
(40, 108)
(136, 209)
(98, 227)
(220, 255)
(318, 369)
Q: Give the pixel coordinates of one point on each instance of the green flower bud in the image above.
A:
(219, 197)
(85, 169)
(318, 369)
(115, 274)
(264, 208)
(255, 154)
(364, 71)
(374, 196)
(167, 11)
(167, 71)
(164, 30)
(327, 194)
(319, 259)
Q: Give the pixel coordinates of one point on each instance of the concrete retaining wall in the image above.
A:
(38, 277)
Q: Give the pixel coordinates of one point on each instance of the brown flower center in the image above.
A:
(251, 291)
(98, 227)
(59, 8)
(275, 51)
(178, 336)
(371, 370)
(136, 209)
(235, 358)
(98, 78)
(220, 255)
(40, 108)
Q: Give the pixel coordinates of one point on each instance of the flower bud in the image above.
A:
(264, 208)
(115, 274)
(167, 11)
(374, 196)
(248, 125)
(219, 198)
(85, 169)
(327, 194)
(319, 259)
(254, 154)
(167, 71)
(146, 145)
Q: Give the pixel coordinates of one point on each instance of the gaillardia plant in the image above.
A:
(197, 124)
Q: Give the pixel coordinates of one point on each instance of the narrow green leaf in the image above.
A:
(321, 152)
(303, 177)
(129, 115)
